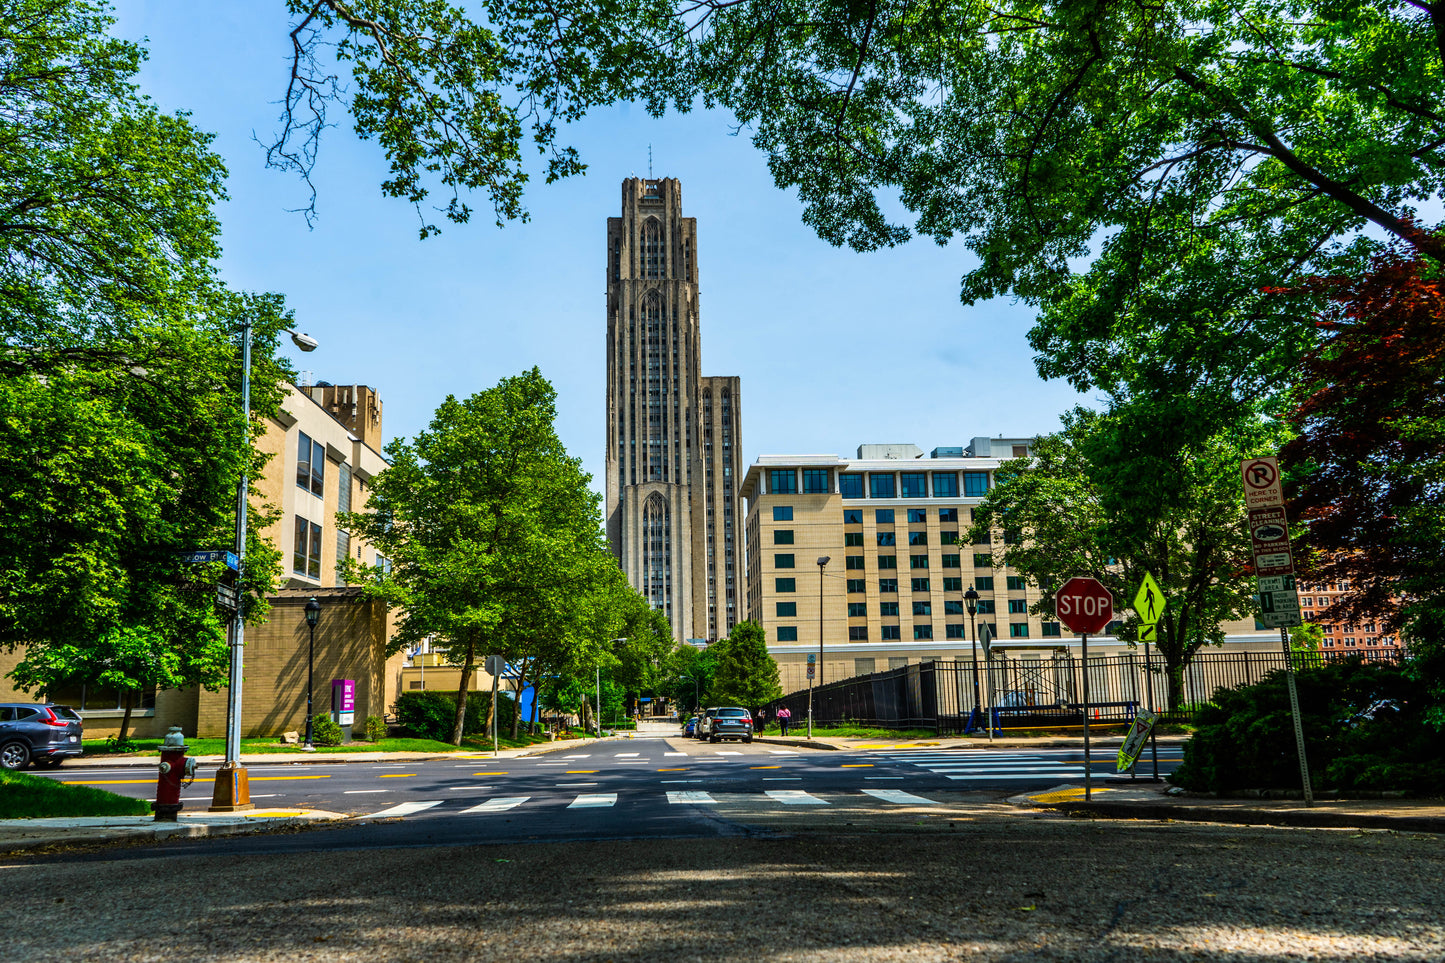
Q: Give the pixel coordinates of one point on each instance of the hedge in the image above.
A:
(431, 715)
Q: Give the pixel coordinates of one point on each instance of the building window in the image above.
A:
(952, 583)
(880, 485)
(858, 633)
(914, 485)
(948, 538)
(306, 553)
(850, 486)
(782, 561)
(953, 607)
(954, 630)
(889, 633)
(857, 610)
(888, 561)
(920, 584)
(1018, 606)
(782, 513)
(923, 631)
(985, 607)
(1018, 630)
(310, 464)
(923, 608)
(1051, 630)
(854, 563)
(856, 585)
(918, 561)
(948, 515)
(853, 539)
(787, 610)
(782, 536)
(787, 633)
(983, 561)
(1012, 536)
(917, 538)
(887, 585)
(785, 585)
(852, 516)
(783, 481)
(984, 538)
(917, 516)
(975, 484)
(1016, 583)
(984, 583)
(945, 484)
(883, 516)
(953, 561)
(815, 481)
(888, 610)
(886, 538)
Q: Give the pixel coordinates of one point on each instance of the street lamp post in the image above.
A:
(232, 789)
(823, 561)
(970, 599)
(313, 615)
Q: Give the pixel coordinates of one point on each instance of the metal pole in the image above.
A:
(232, 788)
(988, 707)
(310, 666)
(1088, 776)
(810, 707)
(1299, 729)
(822, 564)
(1154, 729)
(599, 702)
(494, 714)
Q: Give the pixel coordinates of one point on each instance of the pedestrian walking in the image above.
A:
(784, 717)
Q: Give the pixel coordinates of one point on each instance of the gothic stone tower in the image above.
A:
(674, 438)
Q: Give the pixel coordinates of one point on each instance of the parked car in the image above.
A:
(43, 733)
(702, 723)
(729, 722)
(689, 728)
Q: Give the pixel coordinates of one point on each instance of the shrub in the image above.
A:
(375, 728)
(324, 732)
(1364, 724)
(431, 715)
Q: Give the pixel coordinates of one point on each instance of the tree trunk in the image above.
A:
(517, 687)
(1174, 670)
(462, 692)
(125, 719)
(536, 702)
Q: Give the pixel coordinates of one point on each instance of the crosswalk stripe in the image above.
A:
(700, 798)
(900, 797)
(627, 755)
(408, 808)
(1017, 775)
(783, 752)
(592, 800)
(795, 797)
(500, 804)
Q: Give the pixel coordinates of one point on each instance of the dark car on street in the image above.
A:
(728, 722)
(690, 727)
(43, 733)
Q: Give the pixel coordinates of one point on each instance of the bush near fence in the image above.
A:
(432, 715)
(1033, 693)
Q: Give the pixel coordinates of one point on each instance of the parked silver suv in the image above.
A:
(44, 733)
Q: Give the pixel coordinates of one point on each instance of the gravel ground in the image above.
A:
(995, 887)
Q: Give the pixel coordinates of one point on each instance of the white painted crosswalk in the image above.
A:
(499, 805)
(794, 797)
(692, 797)
(1011, 766)
(594, 800)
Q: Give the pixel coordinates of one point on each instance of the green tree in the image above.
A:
(1117, 494)
(688, 674)
(492, 532)
(121, 439)
(746, 674)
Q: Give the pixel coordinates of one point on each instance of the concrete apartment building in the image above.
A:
(674, 437)
(324, 452)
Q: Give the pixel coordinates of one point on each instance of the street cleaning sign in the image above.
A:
(1137, 739)
(1269, 538)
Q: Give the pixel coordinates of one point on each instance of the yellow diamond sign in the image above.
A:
(1149, 603)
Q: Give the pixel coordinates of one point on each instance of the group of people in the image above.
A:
(784, 716)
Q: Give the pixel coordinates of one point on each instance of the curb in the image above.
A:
(800, 743)
(330, 758)
(157, 832)
(1299, 818)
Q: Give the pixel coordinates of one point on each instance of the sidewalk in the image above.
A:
(314, 758)
(26, 835)
(1158, 801)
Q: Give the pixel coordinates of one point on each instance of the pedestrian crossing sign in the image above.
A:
(1149, 603)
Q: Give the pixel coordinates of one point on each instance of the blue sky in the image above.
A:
(891, 354)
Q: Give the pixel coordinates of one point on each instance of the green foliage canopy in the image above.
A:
(747, 675)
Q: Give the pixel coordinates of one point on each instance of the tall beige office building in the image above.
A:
(674, 437)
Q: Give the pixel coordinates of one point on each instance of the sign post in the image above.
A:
(987, 636)
(496, 665)
(811, 657)
(1086, 607)
(1274, 571)
(1149, 605)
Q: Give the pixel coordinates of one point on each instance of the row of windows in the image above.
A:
(885, 516)
(908, 484)
(952, 630)
(856, 563)
(784, 481)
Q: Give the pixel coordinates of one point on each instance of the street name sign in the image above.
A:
(1084, 605)
(207, 556)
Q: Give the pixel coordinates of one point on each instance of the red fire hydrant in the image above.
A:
(176, 772)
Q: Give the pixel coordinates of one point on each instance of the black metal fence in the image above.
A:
(1031, 693)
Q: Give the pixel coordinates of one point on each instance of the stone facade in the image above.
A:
(674, 437)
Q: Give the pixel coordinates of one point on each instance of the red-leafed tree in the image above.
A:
(1369, 461)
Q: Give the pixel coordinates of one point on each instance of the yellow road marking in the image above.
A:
(395, 775)
(114, 782)
(857, 765)
(272, 778)
(765, 767)
(575, 772)
(489, 774)
(684, 769)
(1063, 795)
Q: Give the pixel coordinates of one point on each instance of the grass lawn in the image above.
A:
(23, 796)
(217, 747)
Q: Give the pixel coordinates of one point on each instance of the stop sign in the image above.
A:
(1084, 605)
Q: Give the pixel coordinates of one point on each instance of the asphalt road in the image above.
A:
(636, 788)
